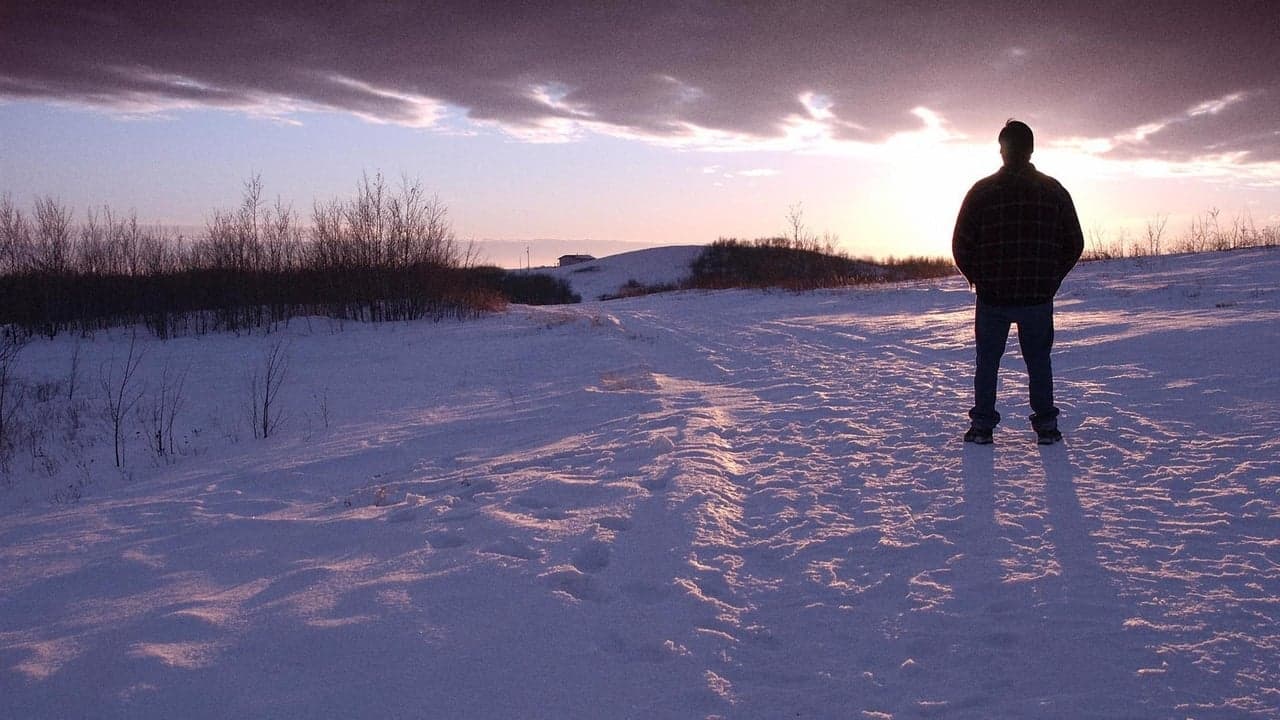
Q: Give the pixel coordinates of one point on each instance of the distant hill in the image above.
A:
(608, 275)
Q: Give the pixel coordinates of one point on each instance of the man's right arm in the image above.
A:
(1072, 235)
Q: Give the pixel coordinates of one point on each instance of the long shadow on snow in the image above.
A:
(1052, 647)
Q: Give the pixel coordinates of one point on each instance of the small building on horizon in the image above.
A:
(567, 260)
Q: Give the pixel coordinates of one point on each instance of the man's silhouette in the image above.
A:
(1016, 238)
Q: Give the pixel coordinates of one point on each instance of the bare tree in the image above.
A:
(158, 250)
(233, 239)
(248, 226)
(53, 238)
(798, 236)
(15, 237)
(92, 250)
(429, 223)
(281, 237)
(1244, 232)
(325, 252)
(1155, 233)
(119, 393)
(265, 382)
(367, 219)
(1206, 232)
(380, 228)
(795, 223)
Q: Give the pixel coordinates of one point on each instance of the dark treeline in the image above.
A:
(799, 263)
(380, 255)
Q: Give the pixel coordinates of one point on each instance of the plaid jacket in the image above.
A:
(1017, 237)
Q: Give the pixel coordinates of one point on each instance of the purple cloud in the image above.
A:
(1100, 70)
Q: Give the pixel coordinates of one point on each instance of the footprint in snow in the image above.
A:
(533, 502)
(641, 650)
(660, 481)
(648, 593)
(541, 508)
(1000, 639)
(445, 540)
(511, 547)
(454, 509)
(577, 585)
(592, 557)
(615, 523)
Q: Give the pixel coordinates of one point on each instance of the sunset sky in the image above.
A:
(657, 123)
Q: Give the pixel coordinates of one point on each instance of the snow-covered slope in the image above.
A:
(605, 276)
(689, 505)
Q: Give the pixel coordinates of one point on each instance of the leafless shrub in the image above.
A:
(72, 492)
(160, 412)
(635, 288)
(264, 383)
(1123, 246)
(1096, 243)
(1269, 236)
(1244, 232)
(119, 392)
(68, 495)
(1205, 232)
(47, 390)
(73, 373)
(34, 437)
(323, 401)
(11, 392)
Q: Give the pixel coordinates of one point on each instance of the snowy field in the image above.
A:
(694, 505)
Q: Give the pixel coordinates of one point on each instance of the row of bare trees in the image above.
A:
(48, 242)
(382, 254)
(376, 228)
(1208, 231)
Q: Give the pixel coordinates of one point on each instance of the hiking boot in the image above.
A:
(978, 437)
(1048, 437)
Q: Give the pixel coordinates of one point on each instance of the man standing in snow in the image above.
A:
(1016, 238)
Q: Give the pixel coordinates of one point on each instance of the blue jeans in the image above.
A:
(1035, 337)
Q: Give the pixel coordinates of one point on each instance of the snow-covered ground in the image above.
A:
(689, 505)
